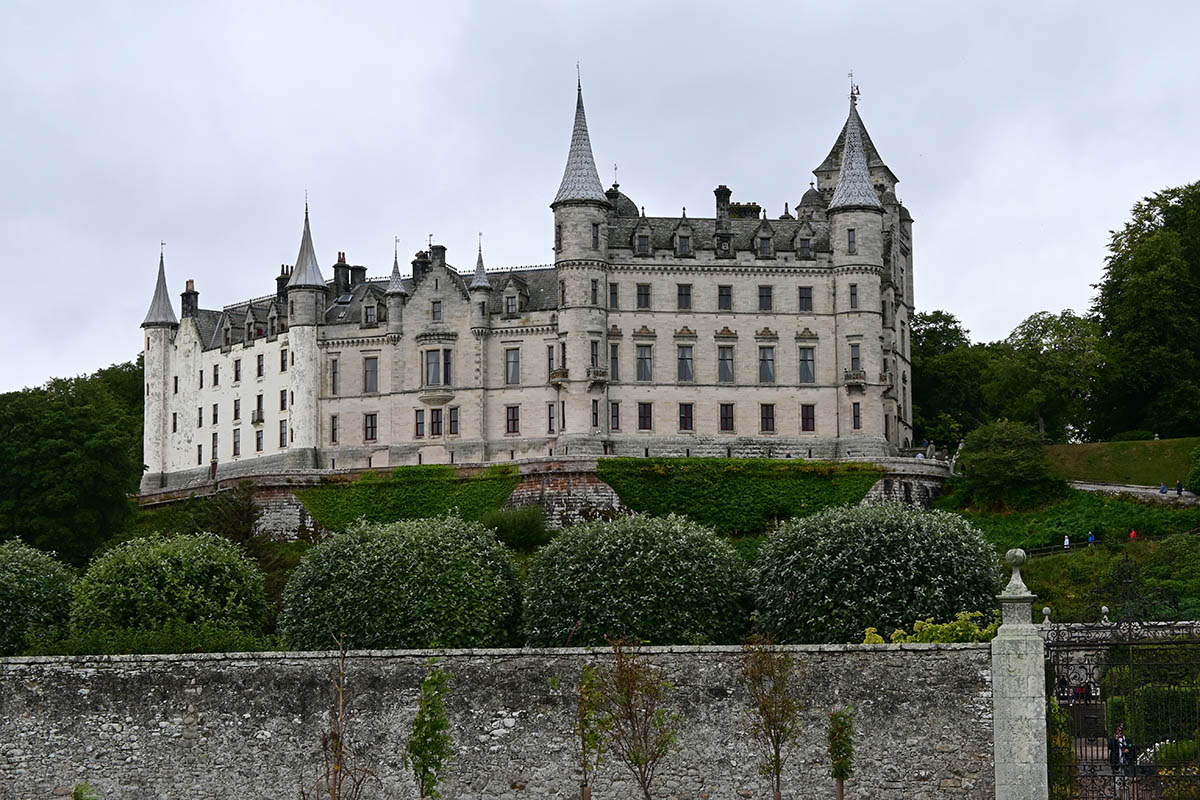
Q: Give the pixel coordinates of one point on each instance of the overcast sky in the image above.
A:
(1021, 134)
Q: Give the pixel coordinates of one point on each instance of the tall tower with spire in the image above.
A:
(581, 265)
(306, 310)
(160, 326)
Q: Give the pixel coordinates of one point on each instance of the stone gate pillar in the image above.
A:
(1019, 694)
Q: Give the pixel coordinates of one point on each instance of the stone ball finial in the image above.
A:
(1015, 557)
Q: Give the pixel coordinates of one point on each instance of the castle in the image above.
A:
(731, 335)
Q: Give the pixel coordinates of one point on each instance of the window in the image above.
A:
(176, 382)
(614, 295)
(595, 238)
(370, 374)
(595, 413)
(614, 352)
(562, 354)
(435, 422)
(549, 360)
(200, 417)
(595, 292)
(764, 298)
(237, 370)
(724, 298)
(199, 454)
(645, 416)
(237, 441)
(854, 295)
(851, 246)
(512, 365)
(215, 450)
(452, 428)
(283, 399)
(258, 408)
(512, 419)
(725, 364)
(643, 244)
(808, 418)
(216, 374)
(333, 429)
(550, 407)
(283, 433)
(174, 422)
(645, 370)
(510, 304)
(558, 237)
(562, 416)
(369, 314)
(855, 357)
(614, 415)
(808, 367)
(764, 246)
(804, 249)
(684, 369)
(806, 298)
(435, 310)
(201, 379)
(419, 424)
(259, 366)
(856, 413)
(643, 295)
(595, 353)
(258, 441)
(215, 413)
(283, 360)
(683, 296)
(766, 365)
(726, 419)
(766, 417)
(334, 377)
(686, 420)
(433, 367)
(685, 245)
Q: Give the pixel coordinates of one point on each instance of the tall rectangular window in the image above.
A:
(804, 249)
(684, 370)
(643, 295)
(258, 409)
(512, 419)
(808, 418)
(806, 298)
(855, 357)
(174, 422)
(334, 377)
(645, 416)
(175, 381)
(283, 359)
(595, 352)
(419, 423)
(726, 417)
(200, 417)
(724, 298)
(725, 363)
(433, 367)
(283, 433)
(562, 293)
(614, 295)
(370, 374)
(435, 422)
(549, 360)
(199, 454)
(595, 292)
(216, 406)
(856, 413)
(614, 415)
(258, 365)
(216, 374)
(645, 369)
(683, 296)
(764, 246)
(854, 295)
(369, 314)
(614, 362)
(258, 441)
(685, 245)
(765, 298)
(237, 370)
(452, 428)
(595, 236)
(643, 245)
(333, 429)
(237, 442)
(512, 365)
(435, 310)
(766, 417)
(283, 399)
(510, 304)
(595, 413)
(562, 416)
(808, 365)
(550, 408)
(766, 365)
(201, 379)
(687, 421)
(851, 244)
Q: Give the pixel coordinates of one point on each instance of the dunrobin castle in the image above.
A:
(736, 334)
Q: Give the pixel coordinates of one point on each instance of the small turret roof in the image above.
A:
(161, 312)
(306, 272)
(812, 197)
(580, 180)
(396, 284)
(854, 188)
(480, 280)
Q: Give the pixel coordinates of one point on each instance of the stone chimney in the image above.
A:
(724, 233)
(420, 265)
(341, 275)
(190, 300)
(358, 276)
(438, 252)
(285, 274)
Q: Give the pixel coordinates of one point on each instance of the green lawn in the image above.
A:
(1143, 463)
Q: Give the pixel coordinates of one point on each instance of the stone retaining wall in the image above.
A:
(249, 725)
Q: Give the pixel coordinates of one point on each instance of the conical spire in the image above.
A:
(160, 312)
(396, 285)
(480, 281)
(854, 188)
(306, 272)
(580, 180)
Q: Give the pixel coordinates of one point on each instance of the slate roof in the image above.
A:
(854, 187)
(161, 312)
(662, 230)
(306, 272)
(833, 161)
(580, 181)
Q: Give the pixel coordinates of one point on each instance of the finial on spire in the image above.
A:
(578, 78)
(162, 246)
(480, 280)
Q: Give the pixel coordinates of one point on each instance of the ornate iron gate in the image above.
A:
(1141, 677)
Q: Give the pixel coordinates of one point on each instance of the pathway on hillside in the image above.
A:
(1140, 492)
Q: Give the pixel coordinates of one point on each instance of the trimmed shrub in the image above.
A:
(440, 582)
(35, 590)
(522, 529)
(657, 580)
(1192, 481)
(188, 578)
(1005, 465)
(827, 578)
(1133, 436)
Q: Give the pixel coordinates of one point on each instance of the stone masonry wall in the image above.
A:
(568, 492)
(249, 725)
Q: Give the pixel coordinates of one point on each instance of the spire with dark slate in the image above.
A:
(854, 188)
(580, 181)
(160, 312)
(396, 285)
(480, 281)
(306, 274)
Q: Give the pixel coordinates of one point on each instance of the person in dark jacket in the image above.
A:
(1120, 752)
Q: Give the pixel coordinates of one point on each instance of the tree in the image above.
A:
(589, 727)
(1149, 320)
(35, 590)
(429, 747)
(841, 748)
(947, 378)
(641, 727)
(775, 714)
(1004, 465)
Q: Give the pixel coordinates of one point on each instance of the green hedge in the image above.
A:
(1157, 713)
(735, 496)
(410, 493)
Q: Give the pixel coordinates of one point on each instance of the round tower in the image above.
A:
(396, 296)
(306, 308)
(160, 326)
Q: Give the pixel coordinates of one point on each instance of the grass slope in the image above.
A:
(1147, 463)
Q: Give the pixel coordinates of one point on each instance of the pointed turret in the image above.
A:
(160, 312)
(396, 285)
(306, 272)
(480, 281)
(854, 188)
(580, 181)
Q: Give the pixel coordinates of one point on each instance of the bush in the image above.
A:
(829, 577)
(522, 529)
(35, 589)
(1004, 465)
(1061, 761)
(438, 582)
(170, 637)
(147, 583)
(1133, 436)
(1192, 481)
(964, 628)
(658, 580)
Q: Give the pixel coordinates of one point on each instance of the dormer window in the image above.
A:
(804, 248)
(510, 304)
(764, 246)
(643, 244)
(685, 245)
(369, 314)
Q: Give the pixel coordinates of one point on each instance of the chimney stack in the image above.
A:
(439, 255)
(341, 275)
(190, 300)
(281, 283)
(358, 275)
(724, 233)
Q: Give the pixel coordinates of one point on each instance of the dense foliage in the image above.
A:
(1004, 465)
(829, 577)
(947, 379)
(1061, 761)
(1192, 481)
(410, 493)
(151, 582)
(659, 580)
(168, 637)
(35, 590)
(71, 450)
(441, 582)
(964, 627)
(430, 747)
(521, 529)
(735, 496)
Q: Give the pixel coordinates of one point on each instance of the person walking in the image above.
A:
(1133, 536)
(1091, 538)
(1162, 489)
(1179, 488)
(1067, 543)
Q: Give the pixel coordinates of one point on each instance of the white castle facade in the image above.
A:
(731, 335)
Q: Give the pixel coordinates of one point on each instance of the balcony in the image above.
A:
(597, 375)
(854, 378)
(888, 379)
(558, 376)
(436, 395)
(256, 418)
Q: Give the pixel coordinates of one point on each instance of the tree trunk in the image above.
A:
(585, 793)
(839, 789)
(778, 795)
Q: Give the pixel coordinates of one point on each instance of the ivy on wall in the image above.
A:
(736, 496)
(409, 493)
